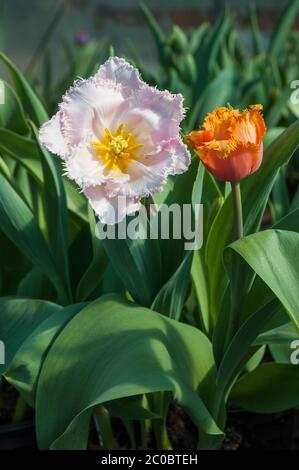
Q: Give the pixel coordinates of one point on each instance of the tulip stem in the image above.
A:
(237, 202)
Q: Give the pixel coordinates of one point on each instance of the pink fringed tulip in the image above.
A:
(118, 137)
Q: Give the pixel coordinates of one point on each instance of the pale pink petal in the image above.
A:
(88, 109)
(119, 71)
(110, 210)
(86, 169)
(149, 173)
(161, 110)
(180, 157)
(51, 135)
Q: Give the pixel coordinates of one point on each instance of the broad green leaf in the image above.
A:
(271, 388)
(272, 134)
(294, 107)
(25, 151)
(273, 255)
(282, 334)
(260, 293)
(238, 349)
(280, 196)
(36, 285)
(19, 225)
(24, 368)
(18, 319)
(219, 92)
(200, 284)
(11, 111)
(55, 214)
(122, 350)
(32, 104)
(281, 353)
(171, 298)
(206, 54)
(274, 114)
(137, 263)
(95, 271)
(186, 189)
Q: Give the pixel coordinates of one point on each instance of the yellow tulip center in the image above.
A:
(117, 149)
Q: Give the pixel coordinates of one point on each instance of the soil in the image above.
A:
(9, 397)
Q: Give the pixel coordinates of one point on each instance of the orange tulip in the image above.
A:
(230, 142)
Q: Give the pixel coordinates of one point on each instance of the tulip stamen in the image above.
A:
(117, 148)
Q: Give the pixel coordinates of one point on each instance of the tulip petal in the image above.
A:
(87, 170)
(51, 135)
(88, 109)
(119, 71)
(110, 210)
(148, 174)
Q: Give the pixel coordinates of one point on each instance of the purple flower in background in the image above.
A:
(81, 38)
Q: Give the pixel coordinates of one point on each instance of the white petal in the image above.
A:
(121, 72)
(148, 175)
(110, 210)
(178, 154)
(84, 167)
(89, 107)
(51, 135)
(161, 110)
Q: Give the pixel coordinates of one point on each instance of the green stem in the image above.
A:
(130, 428)
(148, 201)
(160, 405)
(104, 428)
(237, 202)
(145, 426)
(19, 411)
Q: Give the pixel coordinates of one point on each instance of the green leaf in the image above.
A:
(271, 135)
(21, 316)
(183, 189)
(95, 271)
(270, 388)
(219, 92)
(282, 334)
(56, 215)
(274, 256)
(238, 349)
(171, 298)
(280, 196)
(27, 96)
(274, 114)
(256, 33)
(122, 350)
(137, 263)
(11, 111)
(24, 369)
(282, 29)
(19, 225)
(25, 151)
(154, 26)
(36, 285)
